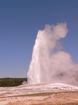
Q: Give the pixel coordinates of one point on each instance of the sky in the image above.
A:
(20, 21)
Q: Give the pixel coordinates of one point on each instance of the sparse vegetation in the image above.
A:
(8, 82)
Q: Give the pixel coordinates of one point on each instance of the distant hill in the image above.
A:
(8, 82)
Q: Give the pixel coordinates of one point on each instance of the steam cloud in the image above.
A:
(49, 62)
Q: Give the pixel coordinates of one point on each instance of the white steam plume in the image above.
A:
(49, 62)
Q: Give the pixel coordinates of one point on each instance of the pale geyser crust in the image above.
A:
(50, 63)
(62, 98)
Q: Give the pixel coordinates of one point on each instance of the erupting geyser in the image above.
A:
(49, 62)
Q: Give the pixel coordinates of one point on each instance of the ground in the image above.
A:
(48, 98)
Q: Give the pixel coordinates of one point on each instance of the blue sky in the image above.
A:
(20, 21)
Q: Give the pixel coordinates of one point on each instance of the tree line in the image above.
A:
(8, 82)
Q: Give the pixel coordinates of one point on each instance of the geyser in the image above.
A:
(49, 62)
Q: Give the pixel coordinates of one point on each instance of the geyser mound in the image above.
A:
(50, 63)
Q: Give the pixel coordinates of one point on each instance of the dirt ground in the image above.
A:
(57, 98)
